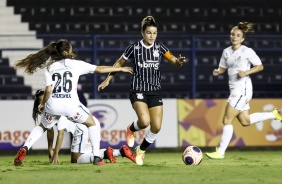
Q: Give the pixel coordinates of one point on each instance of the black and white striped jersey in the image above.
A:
(146, 61)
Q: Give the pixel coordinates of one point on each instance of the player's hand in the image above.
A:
(51, 153)
(127, 69)
(55, 159)
(215, 72)
(180, 60)
(241, 74)
(41, 107)
(103, 85)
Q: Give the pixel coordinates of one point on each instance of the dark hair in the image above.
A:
(36, 103)
(147, 22)
(246, 27)
(54, 51)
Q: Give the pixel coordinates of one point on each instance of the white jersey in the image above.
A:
(63, 77)
(241, 59)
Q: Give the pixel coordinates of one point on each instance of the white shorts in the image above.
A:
(77, 115)
(80, 141)
(239, 102)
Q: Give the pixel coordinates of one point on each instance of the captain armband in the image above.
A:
(168, 55)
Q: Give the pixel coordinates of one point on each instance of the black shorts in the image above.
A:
(152, 99)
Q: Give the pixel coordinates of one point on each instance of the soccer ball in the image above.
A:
(192, 155)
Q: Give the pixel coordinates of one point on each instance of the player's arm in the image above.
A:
(217, 72)
(119, 63)
(50, 138)
(47, 93)
(55, 158)
(253, 70)
(176, 61)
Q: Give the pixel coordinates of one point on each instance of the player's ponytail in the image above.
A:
(246, 27)
(148, 21)
(36, 60)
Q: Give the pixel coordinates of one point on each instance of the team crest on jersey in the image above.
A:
(156, 53)
(75, 117)
(140, 96)
(137, 47)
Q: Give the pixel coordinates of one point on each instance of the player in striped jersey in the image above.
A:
(145, 90)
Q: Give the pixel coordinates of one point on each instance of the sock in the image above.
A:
(261, 116)
(86, 158)
(225, 138)
(150, 137)
(34, 135)
(95, 137)
(103, 154)
(134, 127)
(116, 153)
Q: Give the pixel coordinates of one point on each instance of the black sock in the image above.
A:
(144, 145)
(132, 128)
(105, 154)
(25, 147)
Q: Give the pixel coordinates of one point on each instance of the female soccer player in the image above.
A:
(145, 92)
(240, 62)
(81, 151)
(62, 72)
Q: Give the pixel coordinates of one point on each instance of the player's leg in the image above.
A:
(230, 114)
(143, 116)
(82, 115)
(34, 135)
(156, 114)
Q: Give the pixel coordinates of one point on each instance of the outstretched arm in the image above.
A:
(176, 61)
(55, 158)
(105, 83)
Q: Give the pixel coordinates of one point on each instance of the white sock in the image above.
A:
(86, 158)
(225, 138)
(34, 135)
(95, 137)
(136, 127)
(150, 136)
(102, 153)
(116, 153)
(261, 116)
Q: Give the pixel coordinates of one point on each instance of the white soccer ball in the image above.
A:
(192, 155)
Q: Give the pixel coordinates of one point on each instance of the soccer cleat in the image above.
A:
(215, 155)
(130, 136)
(20, 156)
(98, 161)
(110, 155)
(277, 114)
(140, 155)
(126, 152)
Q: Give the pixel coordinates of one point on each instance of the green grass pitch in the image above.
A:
(243, 167)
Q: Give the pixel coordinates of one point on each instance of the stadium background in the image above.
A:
(101, 29)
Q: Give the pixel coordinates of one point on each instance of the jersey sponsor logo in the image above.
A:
(56, 95)
(149, 64)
